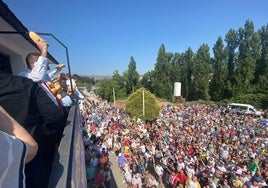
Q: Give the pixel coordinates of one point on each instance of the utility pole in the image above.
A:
(114, 95)
(143, 108)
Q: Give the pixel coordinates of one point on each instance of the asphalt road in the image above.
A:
(117, 180)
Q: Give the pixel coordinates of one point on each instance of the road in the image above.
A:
(117, 180)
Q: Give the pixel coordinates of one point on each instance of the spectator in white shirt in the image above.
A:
(136, 181)
(190, 170)
(71, 83)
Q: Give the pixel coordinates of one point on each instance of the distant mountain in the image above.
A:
(98, 77)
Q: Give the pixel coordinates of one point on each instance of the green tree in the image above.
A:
(121, 91)
(106, 87)
(231, 39)
(220, 71)
(201, 74)
(163, 86)
(246, 63)
(131, 76)
(148, 81)
(261, 73)
(187, 74)
(176, 66)
(134, 105)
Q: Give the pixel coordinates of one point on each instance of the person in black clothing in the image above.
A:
(150, 166)
(31, 107)
(203, 178)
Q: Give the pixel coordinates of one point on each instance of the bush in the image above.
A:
(134, 105)
(258, 100)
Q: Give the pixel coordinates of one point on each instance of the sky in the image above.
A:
(102, 35)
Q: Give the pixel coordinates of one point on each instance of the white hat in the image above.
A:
(221, 168)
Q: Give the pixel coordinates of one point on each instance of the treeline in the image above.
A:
(236, 71)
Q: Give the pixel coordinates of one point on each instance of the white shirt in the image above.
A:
(190, 172)
(39, 72)
(66, 100)
(13, 153)
(137, 181)
(76, 91)
(53, 75)
(128, 176)
(159, 170)
(180, 166)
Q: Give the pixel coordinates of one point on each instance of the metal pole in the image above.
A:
(143, 108)
(114, 95)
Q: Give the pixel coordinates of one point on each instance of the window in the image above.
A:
(5, 63)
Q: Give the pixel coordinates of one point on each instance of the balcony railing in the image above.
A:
(69, 164)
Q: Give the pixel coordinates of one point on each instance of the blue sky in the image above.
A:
(101, 36)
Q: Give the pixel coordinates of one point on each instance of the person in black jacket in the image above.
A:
(31, 107)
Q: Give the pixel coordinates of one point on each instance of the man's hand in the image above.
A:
(42, 46)
(60, 67)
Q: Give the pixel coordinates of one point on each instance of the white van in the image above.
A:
(244, 108)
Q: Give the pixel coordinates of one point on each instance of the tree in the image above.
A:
(134, 105)
(131, 76)
(176, 66)
(246, 63)
(187, 74)
(148, 81)
(220, 71)
(231, 39)
(261, 74)
(163, 86)
(121, 91)
(201, 74)
(106, 87)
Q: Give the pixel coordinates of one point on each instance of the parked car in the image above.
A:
(244, 109)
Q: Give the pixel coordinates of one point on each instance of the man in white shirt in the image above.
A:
(190, 170)
(159, 170)
(37, 67)
(37, 63)
(73, 81)
(136, 181)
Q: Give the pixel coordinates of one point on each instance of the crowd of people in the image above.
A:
(190, 145)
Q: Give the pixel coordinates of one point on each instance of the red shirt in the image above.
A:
(127, 142)
(222, 132)
(181, 177)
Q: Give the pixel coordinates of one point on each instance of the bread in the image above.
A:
(35, 37)
(60, 66)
